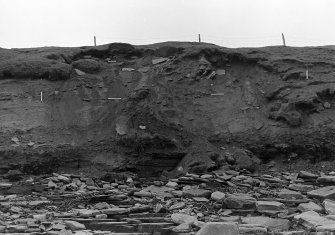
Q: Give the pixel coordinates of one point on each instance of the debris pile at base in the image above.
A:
(238, 201)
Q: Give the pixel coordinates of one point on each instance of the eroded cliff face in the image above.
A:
(183, 107)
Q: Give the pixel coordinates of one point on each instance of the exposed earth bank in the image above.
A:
(169, 107)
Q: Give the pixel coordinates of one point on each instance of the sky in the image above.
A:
(229, 23)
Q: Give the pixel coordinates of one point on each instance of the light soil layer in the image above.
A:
(201, 108)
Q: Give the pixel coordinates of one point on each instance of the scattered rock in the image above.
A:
(15, 140)
(194, 192)
(74, 226)
(218, 196)
(252, 229)
(240, 201)
(311, 219)
(5, 185)
(182, 228)
(128, 69)
(183, 218)
(274, 225)
(310, 206)
(79, 72)
(64, 179)
(172, 184)
(323, 193)
(307, 175)
(326, 180)
(289, 194)
(329, 206)
(159, 60)
(219, 228)
(177, 206)
(270, 206)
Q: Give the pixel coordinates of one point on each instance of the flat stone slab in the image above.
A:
(240, 201)
(307, 175)
(326, 180)
(159, 60)
(289, 194)
(218, 196)
(219, 228)
(270, 207)
(5, 185)
(310, 206)
(329, 206)
(179, 218)
(252, 229)
(115, 211)
(271, 224)
(196, 193)
(323, 193)
(311, 219)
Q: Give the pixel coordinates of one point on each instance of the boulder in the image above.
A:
(245, 159)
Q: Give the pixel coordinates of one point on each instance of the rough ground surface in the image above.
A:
(167, 110)
(224, 202)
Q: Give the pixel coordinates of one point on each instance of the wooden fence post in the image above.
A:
(284, 43)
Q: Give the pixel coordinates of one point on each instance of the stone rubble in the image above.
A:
(221, 202)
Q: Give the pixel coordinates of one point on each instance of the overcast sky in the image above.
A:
(230, 23)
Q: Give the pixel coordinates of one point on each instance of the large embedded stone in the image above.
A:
(240, 201)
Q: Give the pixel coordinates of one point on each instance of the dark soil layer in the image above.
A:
(183, 107)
